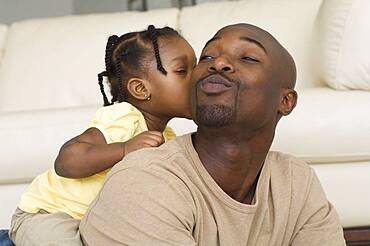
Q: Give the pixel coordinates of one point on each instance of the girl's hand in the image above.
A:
(144, 140)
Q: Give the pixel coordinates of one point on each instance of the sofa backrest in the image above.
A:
(344, 42)
(291, 22)
(54, 62)
(3, 32)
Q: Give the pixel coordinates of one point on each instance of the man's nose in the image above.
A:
(221, 64)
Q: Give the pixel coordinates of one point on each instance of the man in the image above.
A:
(221, 185)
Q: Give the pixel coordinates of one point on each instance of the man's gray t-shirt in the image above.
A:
(165, 196)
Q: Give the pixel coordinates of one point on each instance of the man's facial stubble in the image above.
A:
(215, 115)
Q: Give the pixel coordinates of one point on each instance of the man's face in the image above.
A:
(234, 80)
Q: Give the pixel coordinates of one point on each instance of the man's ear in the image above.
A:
(139, 88)
(288, 102)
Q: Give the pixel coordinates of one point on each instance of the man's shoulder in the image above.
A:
(291, 181)
(146, 188)
(285, 160)
(289, 168)
(171, 157)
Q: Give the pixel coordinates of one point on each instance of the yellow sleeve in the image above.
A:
(169, 134)
(118, 122)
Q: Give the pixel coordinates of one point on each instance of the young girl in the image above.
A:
(148, 73)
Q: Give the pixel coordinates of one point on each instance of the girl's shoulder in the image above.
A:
(118, 122)
(118, 110)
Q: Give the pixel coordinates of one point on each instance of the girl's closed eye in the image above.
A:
(181, 71)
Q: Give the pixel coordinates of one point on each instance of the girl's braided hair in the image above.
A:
(127, 56)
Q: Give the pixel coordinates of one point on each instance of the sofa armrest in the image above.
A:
(30, 140)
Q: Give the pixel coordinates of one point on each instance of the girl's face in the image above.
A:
(170, 93)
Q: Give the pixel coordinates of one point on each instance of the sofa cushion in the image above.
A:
(54, 62)
(327, 126)
(347, 188)
(33, 139)
(3, 32)
(10, 195)
(344, 27)
(291, 22)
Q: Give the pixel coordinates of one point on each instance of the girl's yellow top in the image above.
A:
(52, 193)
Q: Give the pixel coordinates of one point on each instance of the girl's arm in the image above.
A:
(89, 153)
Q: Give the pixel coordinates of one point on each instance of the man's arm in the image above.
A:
(318, 222)
(140, 207)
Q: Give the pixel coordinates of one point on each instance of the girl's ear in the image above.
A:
(139, 88)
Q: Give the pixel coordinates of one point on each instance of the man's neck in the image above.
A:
(233, 160)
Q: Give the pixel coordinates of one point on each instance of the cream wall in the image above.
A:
(15, 10)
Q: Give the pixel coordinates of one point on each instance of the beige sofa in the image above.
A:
(48, 87)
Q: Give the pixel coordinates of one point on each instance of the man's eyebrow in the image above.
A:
(251, 40)
(211, 40)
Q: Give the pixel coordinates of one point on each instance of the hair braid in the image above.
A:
(101, 85)
(153, 37)
(112, 40)
(121, 93)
